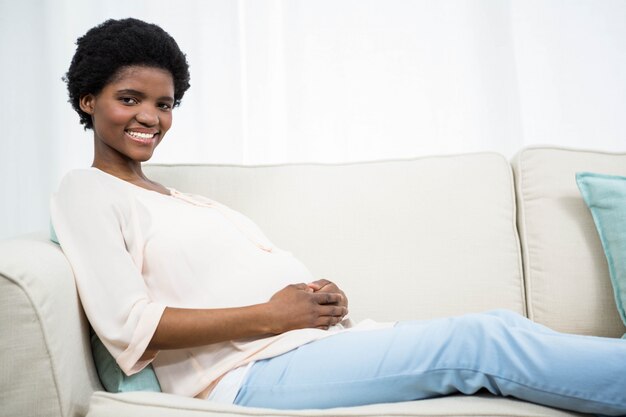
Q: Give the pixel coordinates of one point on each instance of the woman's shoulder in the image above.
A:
(87, 175)
(91, 184)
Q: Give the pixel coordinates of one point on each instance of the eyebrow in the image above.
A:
(142, 95)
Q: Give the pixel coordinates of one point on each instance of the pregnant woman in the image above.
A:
(196, 289)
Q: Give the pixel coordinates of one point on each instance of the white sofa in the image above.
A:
(406, 239)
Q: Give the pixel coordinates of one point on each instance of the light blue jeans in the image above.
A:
(499, 350)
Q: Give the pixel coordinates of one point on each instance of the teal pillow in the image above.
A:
(109, 372)
(112, 377)
(53, 234)
(605, 195)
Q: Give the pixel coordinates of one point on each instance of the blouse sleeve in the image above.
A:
(90, 222)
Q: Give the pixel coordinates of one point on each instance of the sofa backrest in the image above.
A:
(407, 239)
(567, 280)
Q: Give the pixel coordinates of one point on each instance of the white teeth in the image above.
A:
(139, 135)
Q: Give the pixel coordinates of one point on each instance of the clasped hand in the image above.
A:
(319, 304)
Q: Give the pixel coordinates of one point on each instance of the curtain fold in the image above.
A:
(276, 81)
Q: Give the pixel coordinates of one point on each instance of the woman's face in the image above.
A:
(131, 114)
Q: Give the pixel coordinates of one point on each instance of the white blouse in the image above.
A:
(135, 252)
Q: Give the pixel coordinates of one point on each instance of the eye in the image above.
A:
(128, 100)
(165, 106)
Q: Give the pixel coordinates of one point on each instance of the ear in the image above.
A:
(87, 103)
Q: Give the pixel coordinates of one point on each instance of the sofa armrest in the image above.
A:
(46, 367)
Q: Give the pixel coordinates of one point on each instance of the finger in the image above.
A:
(328, 298)
(327, 285)
(319, 284)
(331, 311)
(301, 286)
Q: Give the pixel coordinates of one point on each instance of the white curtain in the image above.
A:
(277, 81)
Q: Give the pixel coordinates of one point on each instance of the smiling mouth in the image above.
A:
(141, 137)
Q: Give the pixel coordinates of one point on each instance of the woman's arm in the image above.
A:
(296, 306)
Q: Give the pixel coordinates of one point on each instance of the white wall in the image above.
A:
(571, 65)
(324, 80)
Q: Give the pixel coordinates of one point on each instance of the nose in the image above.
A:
(147, 117)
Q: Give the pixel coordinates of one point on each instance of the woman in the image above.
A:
(235, 319)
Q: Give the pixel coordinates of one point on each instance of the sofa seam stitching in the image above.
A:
(261, 412)
(329, 164)
(520, 264)
(525, 252)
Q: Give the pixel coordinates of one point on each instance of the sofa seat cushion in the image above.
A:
(138, 404)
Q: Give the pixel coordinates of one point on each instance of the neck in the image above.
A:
(108, 159)
(130, 171)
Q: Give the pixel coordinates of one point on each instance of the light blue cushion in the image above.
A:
(109, 372)
(112, 377)
(605, 196)
(53, 234)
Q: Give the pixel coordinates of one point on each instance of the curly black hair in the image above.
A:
(115, 44)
